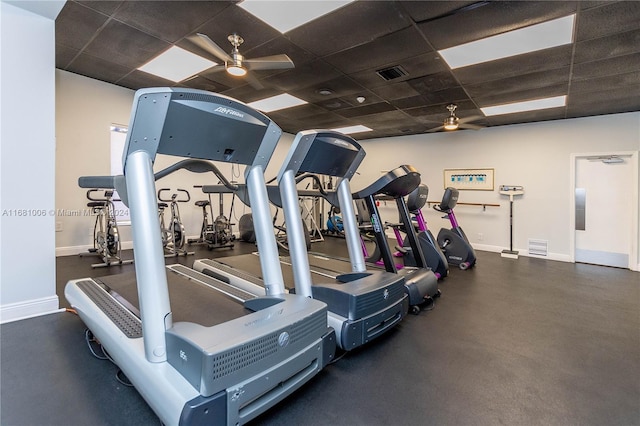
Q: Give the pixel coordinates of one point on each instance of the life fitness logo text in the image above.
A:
(229, 111)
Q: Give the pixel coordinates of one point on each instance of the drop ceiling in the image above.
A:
(343, 51)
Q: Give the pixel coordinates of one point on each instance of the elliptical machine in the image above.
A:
(454, 243)
(434, 256)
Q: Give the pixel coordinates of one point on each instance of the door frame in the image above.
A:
(634, 263)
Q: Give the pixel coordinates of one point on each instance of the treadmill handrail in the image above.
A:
(185, 122)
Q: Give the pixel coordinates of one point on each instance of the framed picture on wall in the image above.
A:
(469, 179)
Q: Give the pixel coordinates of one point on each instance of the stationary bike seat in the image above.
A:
(162, 205)
(202, 203)
(97, 204)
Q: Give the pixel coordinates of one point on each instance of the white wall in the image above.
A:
(536, 156)
(27, 248)
(86, 108)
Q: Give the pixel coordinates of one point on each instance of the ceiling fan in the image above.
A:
(452, 122)
(236, 64)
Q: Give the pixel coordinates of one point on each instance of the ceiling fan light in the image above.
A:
(451, 123)
(236, 70)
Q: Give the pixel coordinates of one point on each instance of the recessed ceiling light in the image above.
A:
(536, 104)
(276, 103)
(529, 39)
(176, 64)
(352, 129)
(286, 15)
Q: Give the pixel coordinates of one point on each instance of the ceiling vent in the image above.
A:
(392, 73)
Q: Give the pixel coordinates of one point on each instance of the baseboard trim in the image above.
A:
(74, 250)
(29, 309)
(524, 252)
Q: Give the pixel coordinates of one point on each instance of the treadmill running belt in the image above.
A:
(190, 300)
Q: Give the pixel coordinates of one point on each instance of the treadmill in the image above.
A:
(421, 282)
(195, 355)
(362, 304)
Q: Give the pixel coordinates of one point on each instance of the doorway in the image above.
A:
(605, 209)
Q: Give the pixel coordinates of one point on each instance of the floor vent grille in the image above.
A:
(538, 247)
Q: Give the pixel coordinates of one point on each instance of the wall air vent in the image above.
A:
(538, 247)
(392, 73)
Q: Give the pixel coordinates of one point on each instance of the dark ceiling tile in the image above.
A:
(233, 20)
(409, 102)
(587, 4)
(278, 46)
(613, 66)
(528, 117)
(169, 20)
(97, 68)
(417, 66)
(427, 10)
(604, 104)
(366, 36)
(309, 74)
(384, 51)
(247, 93)
(629, 80)
(76, 25)
(519, 83)
(354, 24)
(336, 104)
(203, 83)
(140, 79)
(389, 120)
(451, 95)
(64, 55)
(547, 59)
(491, 19)
(607, 47)
(104, 6)
(610, 18)
(125, 45)
(287, 124)
(491, 99)
(609, 97)
(434, 82)
(341, 86)
(327, 120)
(303, 111)
(395, 91)
(366, 110)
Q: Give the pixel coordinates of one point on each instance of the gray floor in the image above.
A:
(516, 342)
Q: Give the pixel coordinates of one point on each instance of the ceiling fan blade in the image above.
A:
(470, 126)
(204, 42)
(435, 129)
(213, 70)
(253, 81)
(275, 62)
(468, 119)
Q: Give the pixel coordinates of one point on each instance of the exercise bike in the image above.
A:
(106, 238)
(434, 256)
(454, 243)
(216, 234)
(173, 235)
